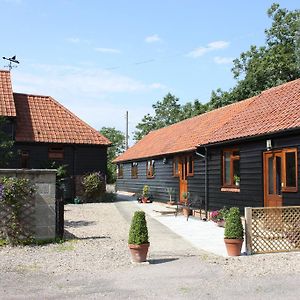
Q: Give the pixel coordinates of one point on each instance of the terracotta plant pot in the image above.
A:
(233, 246)
(221, 223)
(144, 199)
(171, 202)
(186, 211)
(139, 252)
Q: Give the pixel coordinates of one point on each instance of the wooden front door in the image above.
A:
(272, 179)
(183, 169)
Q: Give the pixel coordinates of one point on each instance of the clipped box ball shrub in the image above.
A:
(138, 233)
(234, 227)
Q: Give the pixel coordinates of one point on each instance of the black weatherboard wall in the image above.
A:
(158, 185)
(251, 174)
(81, 159)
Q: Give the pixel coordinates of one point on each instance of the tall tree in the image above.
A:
(256, 70)
(118, 146)
(275, 63)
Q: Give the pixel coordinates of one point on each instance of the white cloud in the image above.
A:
(152, 38)
(223, 60)
(96, 96)
(210, 47)
(157, 85)
(68, 80)
(218, 45)
(108, 50)
(73, 40)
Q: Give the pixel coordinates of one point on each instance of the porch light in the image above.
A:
(269, 144)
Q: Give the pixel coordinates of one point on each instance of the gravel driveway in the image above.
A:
(96, 264)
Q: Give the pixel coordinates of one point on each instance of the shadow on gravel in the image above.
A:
(79, 223)
(70, 236)
(161, 260)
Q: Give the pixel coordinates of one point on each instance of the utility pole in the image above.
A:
(126, 134)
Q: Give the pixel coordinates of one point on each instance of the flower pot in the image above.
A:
(233, 246)
(221, 223)
(139, 252)
(144, 199)
(186, 211)
(171, 202)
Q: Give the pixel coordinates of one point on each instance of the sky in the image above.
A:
(102, 58)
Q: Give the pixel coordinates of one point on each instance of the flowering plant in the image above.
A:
(219, 215)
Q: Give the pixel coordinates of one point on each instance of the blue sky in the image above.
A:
(101, 58)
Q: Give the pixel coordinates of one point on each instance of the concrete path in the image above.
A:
(205, 236)
(165, 244)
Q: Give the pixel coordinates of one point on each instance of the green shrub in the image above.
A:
(138, 233)
(234, 227)
(15, 193)
(93, 186)
(146, 190)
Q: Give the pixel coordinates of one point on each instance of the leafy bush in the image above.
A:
(93, 185)
(138, 233)
(15, 193)
(234, 227)
(146, 190)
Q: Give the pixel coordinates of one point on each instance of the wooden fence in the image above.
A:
(272, 229)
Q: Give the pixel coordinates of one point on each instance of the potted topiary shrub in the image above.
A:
(138, 241)
(234, 232)
(185, 209)
(145, 195)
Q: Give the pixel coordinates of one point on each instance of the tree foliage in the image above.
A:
(166, 112)
(118, 146)
(259, 68)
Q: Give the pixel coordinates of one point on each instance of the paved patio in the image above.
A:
(204, 235)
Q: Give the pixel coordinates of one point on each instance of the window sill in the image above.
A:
(230, 189)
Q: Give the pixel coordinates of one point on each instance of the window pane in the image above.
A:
(236, 167)
(153, 168)
(191, 169)
(175, 167)
(278, 175)
(270, 175)
(227, 168)
(290, 159)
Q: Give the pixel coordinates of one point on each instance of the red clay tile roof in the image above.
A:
(42, 119)
(274, 110)
(7, 105)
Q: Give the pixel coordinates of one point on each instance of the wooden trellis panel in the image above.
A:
(272, 229)
(27, 219)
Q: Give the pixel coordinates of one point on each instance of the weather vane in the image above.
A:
(11, 61)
